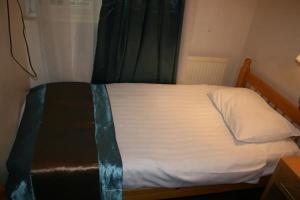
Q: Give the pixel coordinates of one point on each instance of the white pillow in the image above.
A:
(249, 117)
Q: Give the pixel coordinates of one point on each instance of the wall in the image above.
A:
(274, 43)
(13, 85)
(217, 28)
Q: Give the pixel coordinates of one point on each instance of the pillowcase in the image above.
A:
(249, 117)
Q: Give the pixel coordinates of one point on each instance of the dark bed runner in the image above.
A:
(66, 146)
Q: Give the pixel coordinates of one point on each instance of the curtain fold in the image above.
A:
(138, 41)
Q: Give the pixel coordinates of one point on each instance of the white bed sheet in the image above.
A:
(172, 136)
(276, 150)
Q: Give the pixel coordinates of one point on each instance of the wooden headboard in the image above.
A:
(275, 99)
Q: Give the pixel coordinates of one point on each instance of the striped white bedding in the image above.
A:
(172, 136)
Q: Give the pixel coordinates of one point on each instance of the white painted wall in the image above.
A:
(13, 85)
(267, 31)
(216, 28)
(273, 44)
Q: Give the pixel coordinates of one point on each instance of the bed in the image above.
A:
(165, 134)
(212, 178)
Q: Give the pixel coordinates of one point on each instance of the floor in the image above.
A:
(2, 195)
(252, 194)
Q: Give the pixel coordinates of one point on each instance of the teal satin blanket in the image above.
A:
(21, 183)
(110, 163)
(18, 185)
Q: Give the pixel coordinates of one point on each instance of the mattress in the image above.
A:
(172, 136)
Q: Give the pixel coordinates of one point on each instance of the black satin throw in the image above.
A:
(138, 41)
(66, 147)
(65, 158)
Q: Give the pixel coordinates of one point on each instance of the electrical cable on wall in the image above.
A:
(32, 73)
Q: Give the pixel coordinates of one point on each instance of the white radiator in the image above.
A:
(202, 70)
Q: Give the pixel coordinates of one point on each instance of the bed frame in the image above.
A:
(276, 100)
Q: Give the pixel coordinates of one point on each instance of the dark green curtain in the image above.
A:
(138, 41)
